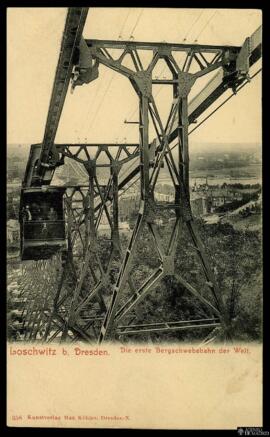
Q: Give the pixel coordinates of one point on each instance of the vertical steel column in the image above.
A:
(144, 147)
(129, 255)
(183, 133)
(55, 304)
(91, 239)
(86, 205)
(115, 208)
(91, 211)
(185, 83)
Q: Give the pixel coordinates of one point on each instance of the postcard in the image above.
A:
(134, 218)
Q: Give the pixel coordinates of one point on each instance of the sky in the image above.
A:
(96, 112)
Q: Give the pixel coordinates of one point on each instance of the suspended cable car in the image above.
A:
(42, 222)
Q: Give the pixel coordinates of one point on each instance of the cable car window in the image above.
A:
(42, 222)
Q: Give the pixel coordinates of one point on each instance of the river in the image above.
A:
(216, 180)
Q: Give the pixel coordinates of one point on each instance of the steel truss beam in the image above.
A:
(180, 176)
(163, 46)
(83, 224)
(182, 82)
(168, 326)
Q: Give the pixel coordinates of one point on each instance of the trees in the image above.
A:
(236, 258)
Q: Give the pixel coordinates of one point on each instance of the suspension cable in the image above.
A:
(205, 26)
(136, 24)
(123, 26)
(195, 22)
(226, 100)
(113, 74)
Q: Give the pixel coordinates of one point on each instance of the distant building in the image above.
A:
(13, 202)
(207, 197)
(199, 204)
(15, 168)
(161, 197)
(219, 197)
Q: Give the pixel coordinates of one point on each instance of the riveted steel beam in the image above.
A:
(48, 158)
(163, 48)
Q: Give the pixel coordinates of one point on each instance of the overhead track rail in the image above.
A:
(40, 167)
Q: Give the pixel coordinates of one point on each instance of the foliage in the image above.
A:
(236, 258)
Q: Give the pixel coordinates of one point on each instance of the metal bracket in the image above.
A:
(53, 159)
(116, 167)
(242, 61)
(164, 51)
(142, 83)
(90, 166)
(85, 71)
(168, 265)
(150, 209)
(185, 83)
